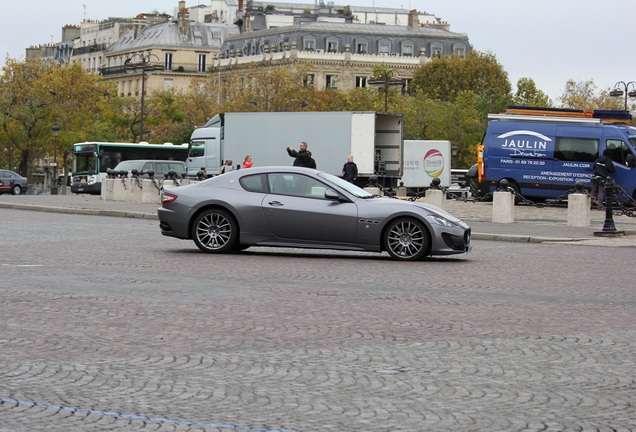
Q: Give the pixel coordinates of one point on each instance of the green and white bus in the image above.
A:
(91, 160)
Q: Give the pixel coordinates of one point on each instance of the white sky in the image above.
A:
(549, 41)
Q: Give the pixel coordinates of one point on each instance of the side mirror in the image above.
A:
(630, 160)
(331, 194)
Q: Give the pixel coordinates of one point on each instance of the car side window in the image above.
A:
(254, 183)
(298, 185)
(147, 167)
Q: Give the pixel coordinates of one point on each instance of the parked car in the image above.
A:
(160, 167)
(12, 182)
(305, 208)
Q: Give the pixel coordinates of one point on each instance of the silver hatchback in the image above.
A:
(305, 208)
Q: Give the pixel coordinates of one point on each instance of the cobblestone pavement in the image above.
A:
(106, 325)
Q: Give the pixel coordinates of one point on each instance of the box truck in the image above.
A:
(374, 139)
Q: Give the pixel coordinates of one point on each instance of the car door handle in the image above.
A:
(276, 203)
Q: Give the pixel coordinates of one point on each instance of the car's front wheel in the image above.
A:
(16, 189)
(215, 231)
(407, 239)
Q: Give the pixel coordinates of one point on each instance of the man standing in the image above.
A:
(302, 158)
(350, 170)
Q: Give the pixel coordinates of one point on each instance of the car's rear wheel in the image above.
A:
(215, 231)
(16, 190)
(407, 239)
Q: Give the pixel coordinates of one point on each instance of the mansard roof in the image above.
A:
(356, 29)
(167, 35)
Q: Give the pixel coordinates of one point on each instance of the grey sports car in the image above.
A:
(305, 208)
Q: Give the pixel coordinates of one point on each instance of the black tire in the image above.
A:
(473, 186)
(215, 231)
(16, 189)
(407, 239)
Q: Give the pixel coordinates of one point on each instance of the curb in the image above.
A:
(81, 211)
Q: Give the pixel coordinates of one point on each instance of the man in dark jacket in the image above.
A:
(603, 167)
(302, 158)
(350, 170)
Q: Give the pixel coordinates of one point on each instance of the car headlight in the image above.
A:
(438, 220)
(91, 180)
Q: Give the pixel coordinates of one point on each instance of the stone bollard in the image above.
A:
(401, 191)
(503, 207)
(150, 193)
(578, 210)
(184, 182)
(121, 189)
(134, 194)
(435, 197)
(107, 189)
(374, 190)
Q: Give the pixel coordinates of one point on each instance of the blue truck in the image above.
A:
(544, 152)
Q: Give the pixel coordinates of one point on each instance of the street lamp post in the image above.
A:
(142, 63)
(618, 92)
(56, 131)
(385, 82)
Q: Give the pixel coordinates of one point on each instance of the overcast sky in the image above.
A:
(549, 41)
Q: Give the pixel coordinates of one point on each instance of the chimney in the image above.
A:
(414, 20)
(183, 19)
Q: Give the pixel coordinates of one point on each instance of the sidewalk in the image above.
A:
(532, 224)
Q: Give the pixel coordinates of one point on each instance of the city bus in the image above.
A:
(91, 160)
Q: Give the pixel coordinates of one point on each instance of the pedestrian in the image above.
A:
(227, 167)
(350, 170)
(312, 162)
(247, 163)
(301, 158)
(603, 167)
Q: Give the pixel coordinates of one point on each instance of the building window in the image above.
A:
(384, 48)
(201, 64)
(436, 51)
(332, 82)
(460, 51)
(168, 61)
(167, 83)
(309, 80)
(332, 46)
(361, 81)
(407, 50)
(361, 48)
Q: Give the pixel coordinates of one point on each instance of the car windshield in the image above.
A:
(349, 187)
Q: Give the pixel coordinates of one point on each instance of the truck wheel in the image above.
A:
(214, 231)
(473, 186)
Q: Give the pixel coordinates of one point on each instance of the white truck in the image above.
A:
(374, 139)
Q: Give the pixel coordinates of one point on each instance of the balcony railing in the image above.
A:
(176, 68)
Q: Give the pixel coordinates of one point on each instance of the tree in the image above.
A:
(528, 95)
(35, 95)
(445, 78)
(585, 95)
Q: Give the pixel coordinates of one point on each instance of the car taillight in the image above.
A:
(167, 197)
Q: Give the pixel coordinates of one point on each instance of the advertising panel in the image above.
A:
(425, 160)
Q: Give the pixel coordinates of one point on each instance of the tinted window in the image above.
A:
(618, 150)
(253, 183)
(576, 149)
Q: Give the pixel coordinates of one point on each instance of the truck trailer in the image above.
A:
(374, 139)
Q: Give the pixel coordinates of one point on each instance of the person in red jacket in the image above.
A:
(247, 163)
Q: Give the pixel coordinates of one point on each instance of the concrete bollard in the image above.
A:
(120, 189)
(436, 197)
(374, 190)
(401, 191)
(150, 193)
(578, 210)
(134, 195)
(107, 189)
(503, 207)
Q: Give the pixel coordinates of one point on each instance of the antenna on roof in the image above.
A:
(84, 6)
